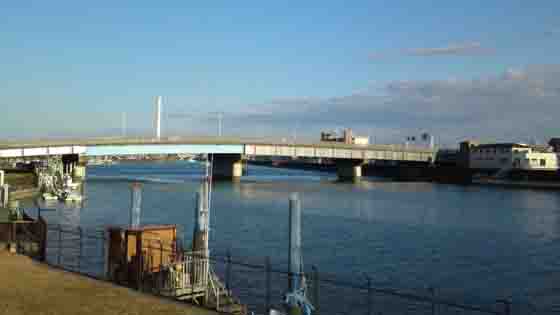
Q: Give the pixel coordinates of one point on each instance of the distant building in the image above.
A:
(555, 144)
(360, 140)
(497, 156)
(347, 138)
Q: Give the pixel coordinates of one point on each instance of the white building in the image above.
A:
(360, 140)
(512, 156)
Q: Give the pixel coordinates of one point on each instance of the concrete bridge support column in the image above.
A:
(227, 166)
(349, 169)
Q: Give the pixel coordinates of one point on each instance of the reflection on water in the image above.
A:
(464, 240)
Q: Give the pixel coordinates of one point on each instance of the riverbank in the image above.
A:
(29, 287)
(516, 183)
(440, 174)
(23, 184)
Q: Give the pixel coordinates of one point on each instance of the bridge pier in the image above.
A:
(349, 169)
(227, 166)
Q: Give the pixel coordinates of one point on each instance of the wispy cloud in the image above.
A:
(552, 32)
(473, 48)
(456, 49)
(513, 105)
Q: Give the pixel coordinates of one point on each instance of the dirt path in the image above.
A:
(28, 287)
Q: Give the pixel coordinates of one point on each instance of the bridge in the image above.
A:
(228, 152)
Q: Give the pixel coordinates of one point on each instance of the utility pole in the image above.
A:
(123, 124)
(220, 121)
(157, 121)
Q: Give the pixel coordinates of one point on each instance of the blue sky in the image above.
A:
(69, 68)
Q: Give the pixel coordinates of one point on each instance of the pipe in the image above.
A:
(295, 242)
(135, 205)
(158, 117)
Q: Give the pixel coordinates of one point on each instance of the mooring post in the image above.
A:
(268, 283)
(135, 204)
(294, 254)
(315, 289)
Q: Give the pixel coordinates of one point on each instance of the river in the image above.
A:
(468, 242)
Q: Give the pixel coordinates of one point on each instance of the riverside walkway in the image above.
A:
(29, 287)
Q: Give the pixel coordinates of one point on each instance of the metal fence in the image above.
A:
(76, 249)
(262, 285)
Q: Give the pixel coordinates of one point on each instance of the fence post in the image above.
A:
(160, 254)
(369, 305)
(268, 283)
(105, 253)
(59, 245)
(315, 273)
(44, 233)
(80, 253)
(433, 296)
(507, 306)
(228, 271)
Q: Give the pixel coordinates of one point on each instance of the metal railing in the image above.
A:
(188, 273)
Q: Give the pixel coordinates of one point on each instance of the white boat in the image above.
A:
(71, 196)
(49, 197)
(100, 162)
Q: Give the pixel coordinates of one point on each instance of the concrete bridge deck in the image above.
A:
(217, 145)
(228, 152)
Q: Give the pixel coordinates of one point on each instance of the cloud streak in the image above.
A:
(455, 49)
(552, 32)
(514, 105)
(473, 48)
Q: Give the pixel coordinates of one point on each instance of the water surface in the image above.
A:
(469, 242)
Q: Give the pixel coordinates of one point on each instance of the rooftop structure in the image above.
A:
(346, 138)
